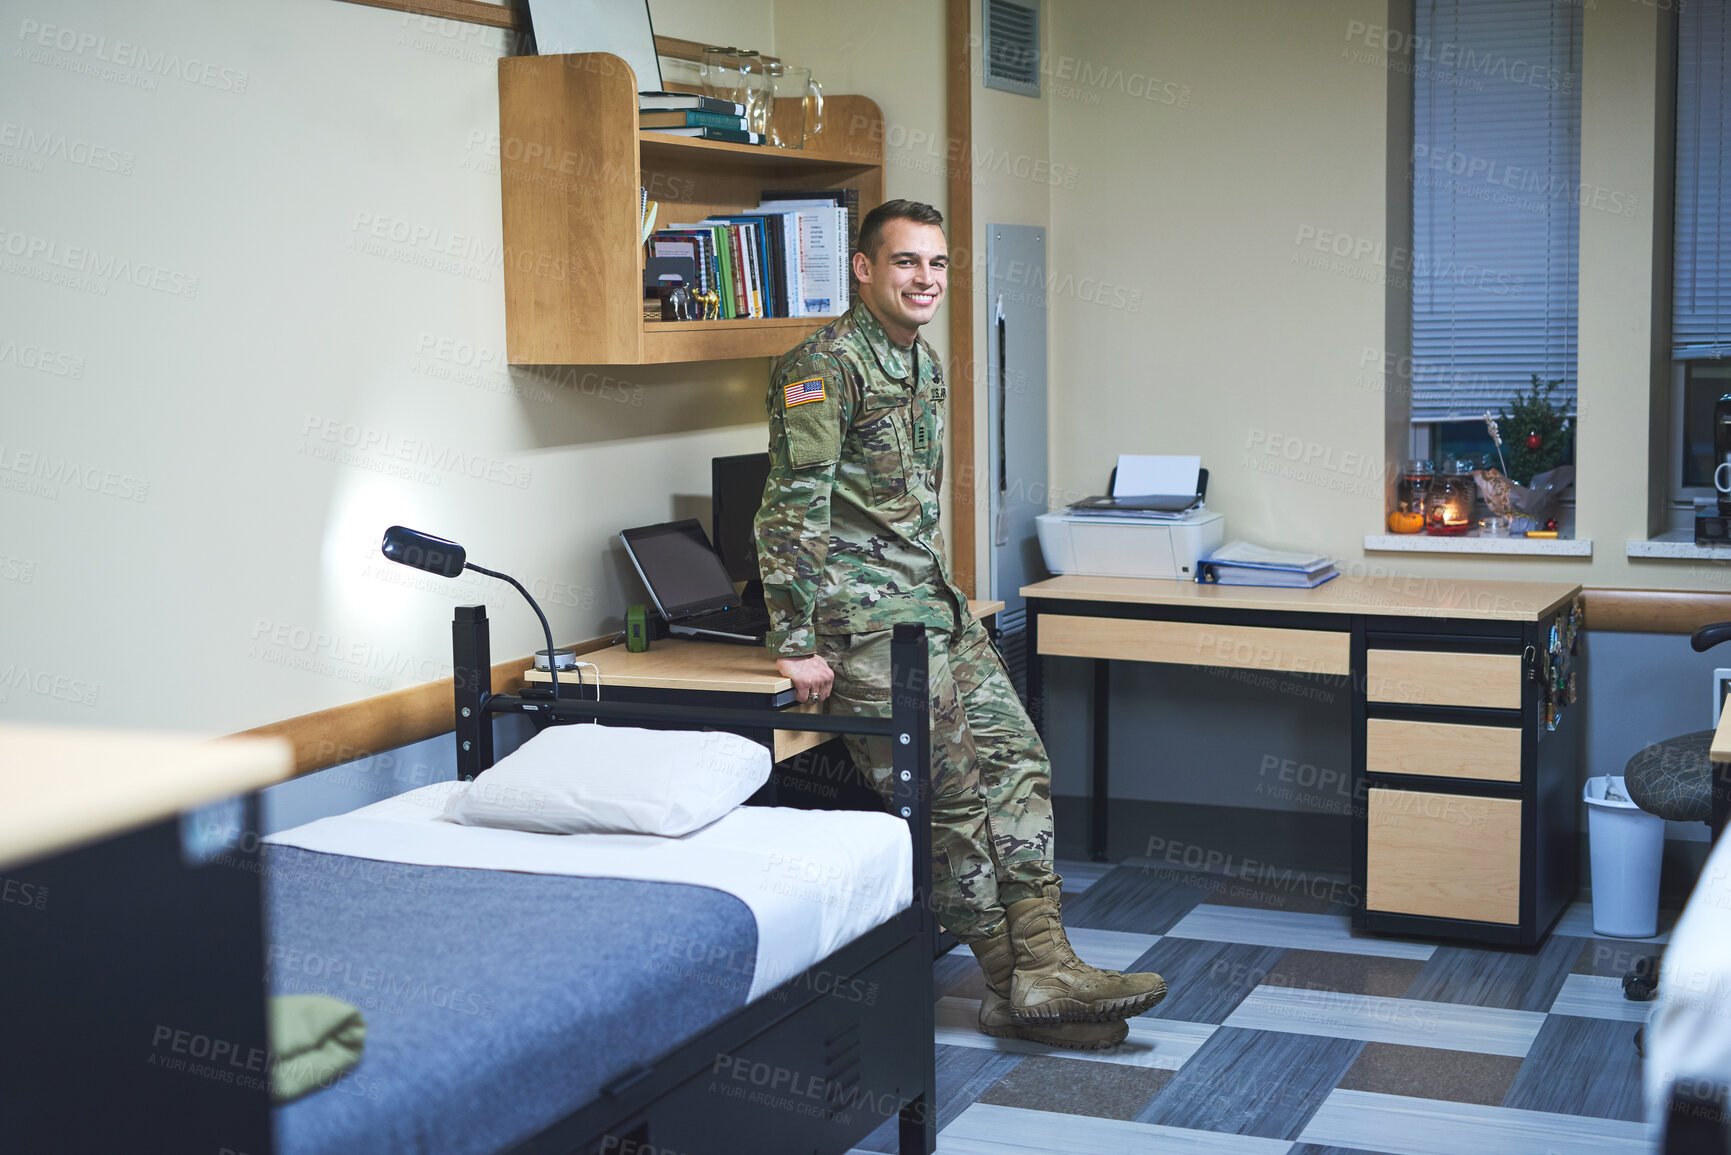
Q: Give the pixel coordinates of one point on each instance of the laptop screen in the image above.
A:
(679, 567)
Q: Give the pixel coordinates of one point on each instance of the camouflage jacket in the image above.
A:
(847, 535)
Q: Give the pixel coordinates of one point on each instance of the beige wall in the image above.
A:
(893, 52)
(1015, 183)
(1211, 141)
(183, 516)
(1254, 342)
(226, 460)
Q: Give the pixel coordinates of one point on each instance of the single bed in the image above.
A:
(762, 984)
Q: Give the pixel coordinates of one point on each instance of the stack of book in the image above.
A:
(1239, 563)
(788, 257)
(688, 114)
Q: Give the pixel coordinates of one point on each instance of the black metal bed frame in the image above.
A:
(818, 1063)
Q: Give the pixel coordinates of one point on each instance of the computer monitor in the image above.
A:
(737, 486)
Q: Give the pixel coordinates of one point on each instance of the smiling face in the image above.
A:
(903, 284)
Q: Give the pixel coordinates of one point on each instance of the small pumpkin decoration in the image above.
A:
(1402, 522)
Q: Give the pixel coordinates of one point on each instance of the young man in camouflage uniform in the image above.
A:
(848, 544)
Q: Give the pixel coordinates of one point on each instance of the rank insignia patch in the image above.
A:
(799, 392)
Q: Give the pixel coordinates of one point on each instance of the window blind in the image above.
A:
(1496, 176)
(1701, 278)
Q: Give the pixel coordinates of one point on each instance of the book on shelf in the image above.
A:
(1240, 563)
(818, 265)
(773, 261)
(689, 118)
(735, 135)
(847, 198)
(758, 231)
(662, 101)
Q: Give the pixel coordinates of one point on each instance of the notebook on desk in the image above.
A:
(690, 586)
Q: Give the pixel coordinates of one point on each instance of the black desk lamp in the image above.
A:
(423, 551)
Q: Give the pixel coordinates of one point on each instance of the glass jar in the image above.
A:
(1449, 509)
(1414, 487)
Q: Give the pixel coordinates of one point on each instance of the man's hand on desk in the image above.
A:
(811, 676)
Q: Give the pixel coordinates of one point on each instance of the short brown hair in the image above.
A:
(871, 230)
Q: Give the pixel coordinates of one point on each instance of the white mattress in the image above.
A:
(813, 879)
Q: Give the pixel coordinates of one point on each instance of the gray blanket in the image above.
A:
(496, 1002)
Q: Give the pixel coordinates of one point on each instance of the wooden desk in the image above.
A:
(62, 787)
(127, 910)
(1720, 753)
(1464, 819)
(689, 671)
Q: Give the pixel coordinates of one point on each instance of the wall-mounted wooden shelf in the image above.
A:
(571, 161)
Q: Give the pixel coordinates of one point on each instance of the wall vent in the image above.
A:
(1012, 45)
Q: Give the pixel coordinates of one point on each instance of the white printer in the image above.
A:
(1099, 546)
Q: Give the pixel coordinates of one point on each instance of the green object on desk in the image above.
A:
(637, 629)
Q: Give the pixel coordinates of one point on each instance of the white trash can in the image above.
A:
(1626, 844)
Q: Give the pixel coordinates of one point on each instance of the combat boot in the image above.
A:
(1052, 985)
(997, 958)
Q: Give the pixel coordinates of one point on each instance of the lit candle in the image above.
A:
(1451, 504)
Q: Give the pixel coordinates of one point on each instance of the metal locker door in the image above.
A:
(1015, 425)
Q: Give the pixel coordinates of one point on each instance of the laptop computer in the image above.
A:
(690, 586)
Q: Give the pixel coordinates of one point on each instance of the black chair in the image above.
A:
(1674, 780)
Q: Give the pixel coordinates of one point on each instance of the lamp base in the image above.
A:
(566, 659)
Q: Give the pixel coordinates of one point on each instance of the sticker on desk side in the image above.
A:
(800, 392)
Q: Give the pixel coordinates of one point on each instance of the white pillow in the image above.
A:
(614, 780)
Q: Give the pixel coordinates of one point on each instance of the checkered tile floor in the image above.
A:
(1286, 1034)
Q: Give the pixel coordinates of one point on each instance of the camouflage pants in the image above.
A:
(991, 782)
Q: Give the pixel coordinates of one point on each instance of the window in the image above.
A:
(1496, 186)
(1701, 268)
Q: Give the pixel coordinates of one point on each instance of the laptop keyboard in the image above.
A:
(751, 620)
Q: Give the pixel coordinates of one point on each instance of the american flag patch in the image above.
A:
(798, 393)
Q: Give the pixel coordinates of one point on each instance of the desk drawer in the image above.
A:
(1443, 678)
(1197, 644)
(1443, 855)
(1442, 750)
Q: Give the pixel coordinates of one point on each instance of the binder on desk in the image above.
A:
(1240, 563)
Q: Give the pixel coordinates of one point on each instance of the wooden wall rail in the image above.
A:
(371, 726)
(469, 11)
(1655, 611)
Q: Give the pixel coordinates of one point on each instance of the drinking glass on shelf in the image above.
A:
(796, 105)
(755, 86)
(721, 74)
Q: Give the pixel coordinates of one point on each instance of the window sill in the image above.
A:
(1474, 544)
(1678, 545)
